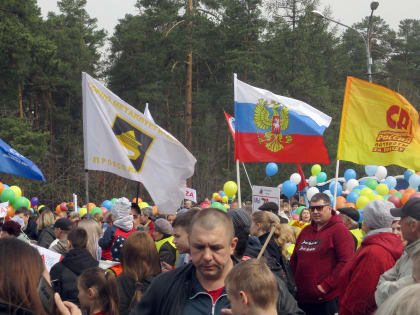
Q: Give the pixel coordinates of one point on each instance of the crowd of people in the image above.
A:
(276, 260)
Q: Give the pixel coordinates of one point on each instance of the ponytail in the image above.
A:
(137, 295)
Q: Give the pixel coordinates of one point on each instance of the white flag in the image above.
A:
(119, 139)
(148, 114)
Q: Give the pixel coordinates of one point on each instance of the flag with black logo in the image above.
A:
(121, 140)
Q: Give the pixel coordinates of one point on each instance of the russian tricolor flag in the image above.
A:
(275, 128)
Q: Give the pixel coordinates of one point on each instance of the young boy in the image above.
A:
(251, 289)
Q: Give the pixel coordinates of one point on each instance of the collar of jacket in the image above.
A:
(413, 247)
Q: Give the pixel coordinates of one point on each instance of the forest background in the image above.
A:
(278, 45)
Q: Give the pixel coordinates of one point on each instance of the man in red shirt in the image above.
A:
(322, 249)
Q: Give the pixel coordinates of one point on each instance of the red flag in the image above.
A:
(302, 183)
(231, 122)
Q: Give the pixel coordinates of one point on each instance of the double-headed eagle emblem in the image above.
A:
(272, 127)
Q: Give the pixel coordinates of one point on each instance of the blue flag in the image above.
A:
(12, 162)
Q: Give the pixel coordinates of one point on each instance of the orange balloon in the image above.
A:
(418, 173)
(350, 205)
(91, 206)
(340, 202)
(155, 210)
(1, 187)
(410, 190)
(392, 191)
(405, 197)
(58, 209)
(10, 211)
(135, 200)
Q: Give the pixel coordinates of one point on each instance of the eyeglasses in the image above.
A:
(318, 208)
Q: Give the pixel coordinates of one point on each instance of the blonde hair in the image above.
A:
(282, 234)
(263, 287)
(94, 231)
(45, 219)
(404, 301)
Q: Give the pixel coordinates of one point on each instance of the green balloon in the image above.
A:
(371, 183)
(95, 210)
(397, 193)
(321, 177)
(218, 205)
(8, 195)
(21, 202)
(299, 209)
(114, 200)
(356, 190)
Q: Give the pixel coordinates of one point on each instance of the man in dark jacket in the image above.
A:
(164, 242)
(322, 249)
(64, 274)
(198, 288)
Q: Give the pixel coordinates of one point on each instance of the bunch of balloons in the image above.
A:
(317, 176)
(13, 195)
(228, 194)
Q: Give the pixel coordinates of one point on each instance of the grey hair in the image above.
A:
(404, 301)
(147, 211)
(352, 222)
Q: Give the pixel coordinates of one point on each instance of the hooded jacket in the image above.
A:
(46, 236)
(360, 275)
(318, 259)
(64, 274)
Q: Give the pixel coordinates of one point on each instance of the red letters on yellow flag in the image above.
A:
(378, 127)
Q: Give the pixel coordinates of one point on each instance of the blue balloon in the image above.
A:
(392, 181)
(332, 199)
(107, 204)
(289, 188)
(352, 197)
(6, 186)
(350, 174)
(271, 169)
(339, 188)
(361, 216)
(407, 175)
(363, 181)
(328, 192)
(370, 170)
(222, 193)
(414, 181)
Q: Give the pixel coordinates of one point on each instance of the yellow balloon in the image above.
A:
(17, 191)
(376, 197)
(362, 201)
(143, 205)
(82, 212)
(230, 188)
(226, 206)
(225, 199)
(214, 196)
(382, 189)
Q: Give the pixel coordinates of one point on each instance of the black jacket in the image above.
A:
(126, 289)
(31, 229)
(170, 291)
(46, 236)
(64, 274)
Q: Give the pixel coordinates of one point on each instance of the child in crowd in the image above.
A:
(98, 292)
(258, 296)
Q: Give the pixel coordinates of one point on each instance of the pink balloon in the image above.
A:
(63, 206)
(415, 195)
(395, 200)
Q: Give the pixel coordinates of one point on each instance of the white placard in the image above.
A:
(49, 257)
(262, 194)
(191, 194)
(3, 209)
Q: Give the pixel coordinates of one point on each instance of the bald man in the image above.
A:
(198, 287)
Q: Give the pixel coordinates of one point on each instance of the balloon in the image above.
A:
(114, 200)
(351, 183)
(395, 200)
(58, 209)
(352, 197)
(321, 177)
(381, 173)
(392, 191)
(95, 210)
(10, 211)
(218, 198)
(315, 169)
(339, 188)
(63, 206)
(327, 192)
(17, 190)
(289, 188)
(135, 200)
(271, 169)
(414, 181)
(366, 192)
(214, 195)
(107, 204)
(230, 188)
(104, 210)
(143, 205)
(382, 189)
(362, 201)
(218, 205)
(225, 199)
(8, 195)
(299, 209)
(397, 194)
(410, 190)
(415, 195)
(82, 212)
(311, 192)
(1, 187)
(360, 216)
(407, 175)
(350, 205)
(357, 191)
(371, 183)
(312, 181)
(222, 193)
(21, 202)
(350, 174)
(155, 210)
(295, 178)
(392, 181)
(340, 202)
(91, 206)
(370, 170)
(377, 197)
(405, 197)
(363, 181)
(34, 201)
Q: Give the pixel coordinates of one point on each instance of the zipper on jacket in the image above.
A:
(213, 305)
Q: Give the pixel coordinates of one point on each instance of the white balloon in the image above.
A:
(311, 192)
(352, 183)
(295, 178)
(312, 181)
(381, 173)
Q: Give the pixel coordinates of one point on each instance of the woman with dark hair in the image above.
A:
(140, 262)
(10, 229)
(22, 268)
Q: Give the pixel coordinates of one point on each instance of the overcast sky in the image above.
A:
(347, 11)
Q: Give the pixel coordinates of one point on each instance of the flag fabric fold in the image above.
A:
(12, 162)
(378, 127)
(275, 128)
(302, 185)
(121, 140)
(231, 123)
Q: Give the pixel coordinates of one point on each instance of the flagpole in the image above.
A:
(137, 192)
(87, 189)
(246, 173)
(336, 184)
(238, 181)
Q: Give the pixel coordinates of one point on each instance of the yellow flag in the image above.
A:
(378, 127)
